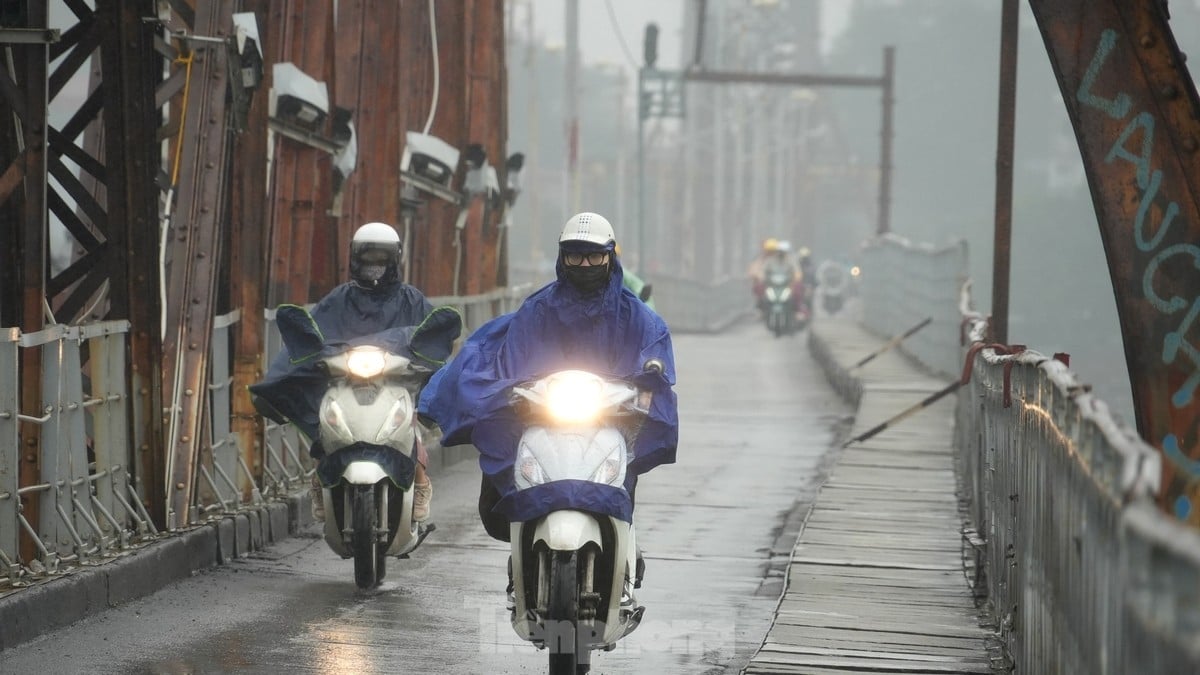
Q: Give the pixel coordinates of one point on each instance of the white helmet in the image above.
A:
(380, 233)
(588, 227)
(375, 255)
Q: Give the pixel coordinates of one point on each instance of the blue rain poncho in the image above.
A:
(611, 334)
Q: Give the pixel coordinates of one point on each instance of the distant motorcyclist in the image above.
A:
(756, 271)
(374, 300)
(808, 275)
(779, 264)
(634, 283)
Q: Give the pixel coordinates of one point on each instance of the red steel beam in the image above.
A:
(248, 260)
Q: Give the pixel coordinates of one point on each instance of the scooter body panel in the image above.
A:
(379, 413)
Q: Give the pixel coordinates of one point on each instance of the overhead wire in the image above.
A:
(433, 40)
(612, 19)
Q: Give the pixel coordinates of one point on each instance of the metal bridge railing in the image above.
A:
(690, 306)
(905, 283)
(90, 504)
(1082, 573)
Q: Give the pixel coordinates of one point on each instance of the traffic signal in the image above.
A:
(650, 45)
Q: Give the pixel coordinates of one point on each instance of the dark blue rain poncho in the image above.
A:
(293, 387)
(292, 392)
(349, 312)
(612, 334)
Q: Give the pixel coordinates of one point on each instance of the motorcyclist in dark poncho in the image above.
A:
(374, 300)
(586, 319)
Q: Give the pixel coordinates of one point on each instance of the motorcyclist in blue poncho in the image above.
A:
(374, 300)
(586, 319)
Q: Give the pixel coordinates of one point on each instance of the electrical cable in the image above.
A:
(612, 19)
(433, 39)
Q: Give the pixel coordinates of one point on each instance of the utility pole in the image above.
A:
(1005, 125)
(660, 94)
(885, 140)
(571, 198)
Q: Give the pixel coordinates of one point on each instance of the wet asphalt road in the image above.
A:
(757, 422)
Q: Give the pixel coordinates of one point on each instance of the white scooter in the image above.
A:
(573, 571)
(369, 433)
(366, 426)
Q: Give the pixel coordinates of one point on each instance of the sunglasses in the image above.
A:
(375, 257)
(596, 258)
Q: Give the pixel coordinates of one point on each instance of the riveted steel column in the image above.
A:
(193, 252)
(132, 70)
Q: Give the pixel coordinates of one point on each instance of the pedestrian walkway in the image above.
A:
(876, 579)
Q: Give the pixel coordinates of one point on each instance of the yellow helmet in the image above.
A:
(770, 244)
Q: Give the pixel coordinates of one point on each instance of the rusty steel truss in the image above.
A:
(141, 129)
(1136, 116)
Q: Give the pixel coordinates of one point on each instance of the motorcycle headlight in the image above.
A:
(333, 414)
(334, 422)
(609, 471)
(399, 416)
(784, 294)
(575, 398)
(365, 363)
(529, 471)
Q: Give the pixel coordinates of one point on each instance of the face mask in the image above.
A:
(372, 272)
(587, 279)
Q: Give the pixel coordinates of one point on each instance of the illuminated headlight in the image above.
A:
(784, 294)
(365, 363)
(855, 271)
(575, 398)
(609, 471)
(529, 471)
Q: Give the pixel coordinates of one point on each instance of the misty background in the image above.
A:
(750, 161)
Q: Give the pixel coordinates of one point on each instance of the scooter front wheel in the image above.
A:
(568, 654)
(368, 563)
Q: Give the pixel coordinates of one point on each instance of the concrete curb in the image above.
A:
(81, 592)
(847, 385)
(49, 604)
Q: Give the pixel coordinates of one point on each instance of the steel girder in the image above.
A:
(1136, 116)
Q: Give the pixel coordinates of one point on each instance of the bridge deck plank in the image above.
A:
(876, 577)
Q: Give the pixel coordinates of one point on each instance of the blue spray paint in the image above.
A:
(1139, 225)
(1149, 180)
(1116, 108)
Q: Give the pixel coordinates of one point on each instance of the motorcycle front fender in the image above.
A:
(363, 473)
(567, 531)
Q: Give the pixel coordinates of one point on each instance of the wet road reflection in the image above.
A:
(754, 431)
